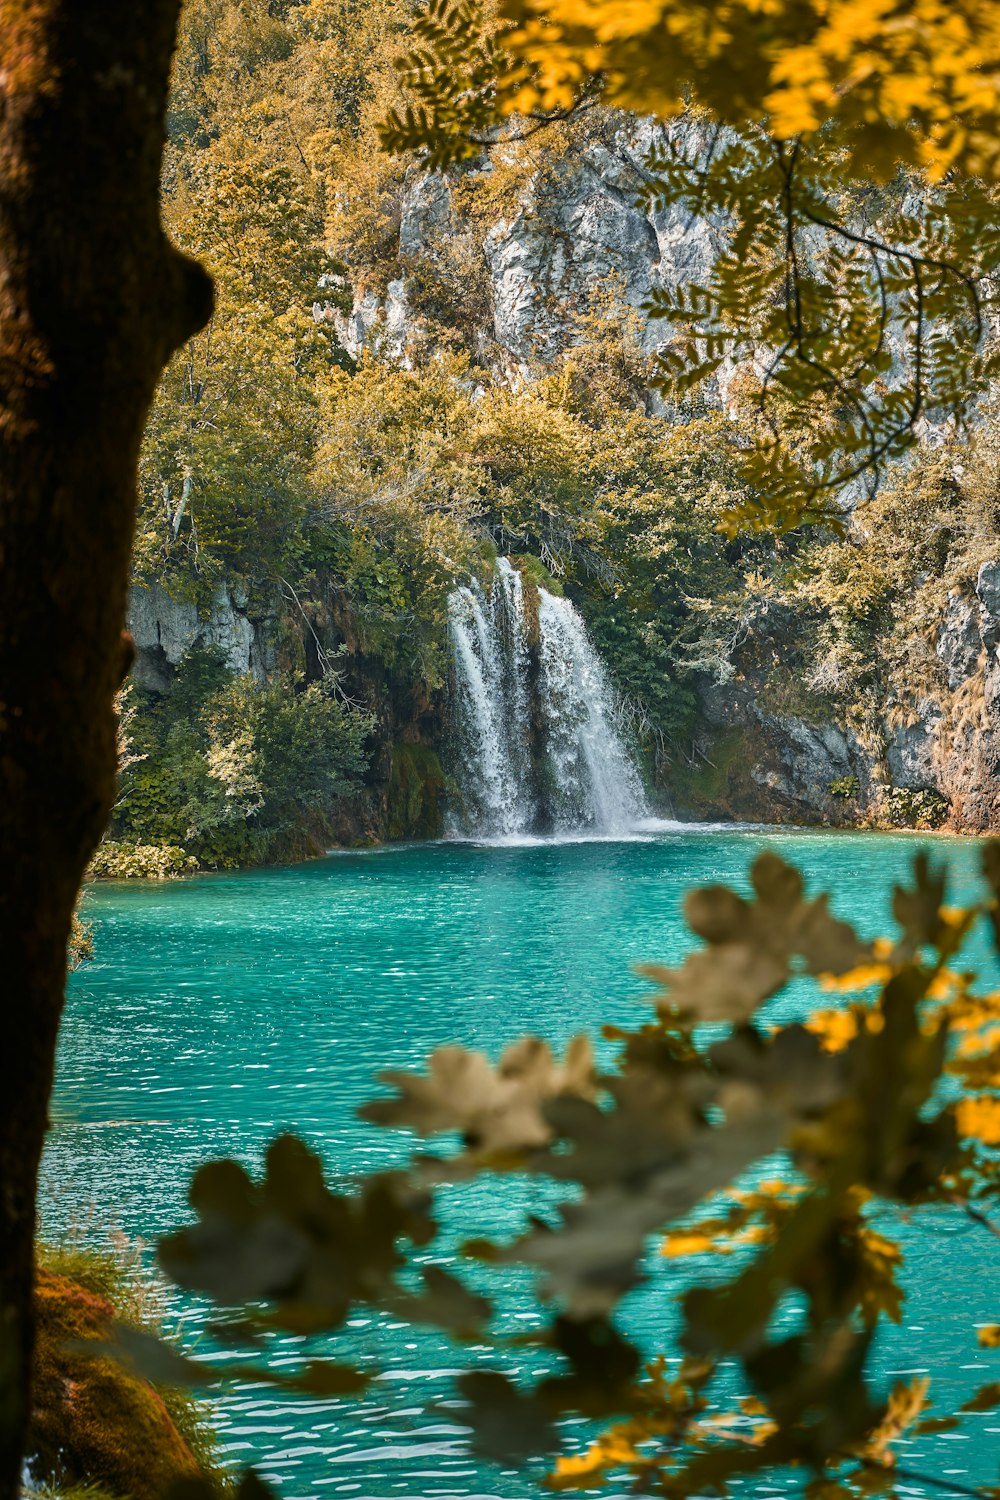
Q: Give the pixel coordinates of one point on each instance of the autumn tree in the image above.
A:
(847, 151)
(93, 301)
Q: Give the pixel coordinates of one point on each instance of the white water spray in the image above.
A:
(537, 747)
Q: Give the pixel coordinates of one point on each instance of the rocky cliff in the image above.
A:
(926, 759)
(573, 234)
(165, 627)
(570, 234)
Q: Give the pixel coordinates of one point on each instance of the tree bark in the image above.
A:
(93, 300)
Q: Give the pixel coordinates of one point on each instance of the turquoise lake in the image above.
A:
(221, 1010)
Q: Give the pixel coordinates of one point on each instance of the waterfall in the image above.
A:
(491, 717)
(535, 744)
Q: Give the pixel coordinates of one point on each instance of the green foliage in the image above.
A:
(536, 575)
(391, 515)
(846, 788)
(864, 609)
(900, 807)
(296, 747)
(234, 771)
(229, 441)
(618, 509)
(117, 861)
(853, 1101)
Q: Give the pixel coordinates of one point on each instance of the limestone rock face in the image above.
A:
(165, 629)
(568, 240)
(810, 759)
(426, 214)
(570, 233)
(943, 744)
(960, 639)
(769, 765)
(988, 594)
(911, 748)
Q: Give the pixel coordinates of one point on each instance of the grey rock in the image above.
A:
(358, 329)
(960, 642)
(165, 629)
(570, 233)
(425, 214)
(988, 594)
(809, 757)
(910, 751)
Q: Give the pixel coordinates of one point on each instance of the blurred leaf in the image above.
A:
(507, 1425)
(752, 945)
(495, 1110)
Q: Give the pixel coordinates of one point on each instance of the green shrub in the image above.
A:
(846, 788)
(114, 861)
(80, 947)
(235, 772)
(900, 807)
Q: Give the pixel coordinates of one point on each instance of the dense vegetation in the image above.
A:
(344, 495)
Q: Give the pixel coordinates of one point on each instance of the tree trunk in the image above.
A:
(93, 300)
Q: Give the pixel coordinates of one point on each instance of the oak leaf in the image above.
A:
(753, 945)
(495, 1109)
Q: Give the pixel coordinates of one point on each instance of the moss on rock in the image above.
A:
(705, 784)
(93, 1423)
(415, 797)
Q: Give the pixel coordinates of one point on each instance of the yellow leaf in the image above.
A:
(835, 1028)
(614, 1449)
(989, 1336)
(984, 1042)
(979, 1119)
(683, 1242)
(974, 1013)
(857, 979)
(905, 1404)
(944, 985)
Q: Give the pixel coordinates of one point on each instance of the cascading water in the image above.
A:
(594, 780)
(536, 745)
(491, 717)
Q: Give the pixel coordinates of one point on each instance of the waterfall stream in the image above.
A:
(536, 746)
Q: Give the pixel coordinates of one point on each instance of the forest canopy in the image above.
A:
(849, 150)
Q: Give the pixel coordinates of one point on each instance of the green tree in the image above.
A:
(235, 771)
(231, 433)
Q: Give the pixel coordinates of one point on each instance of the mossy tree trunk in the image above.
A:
(93, 300)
